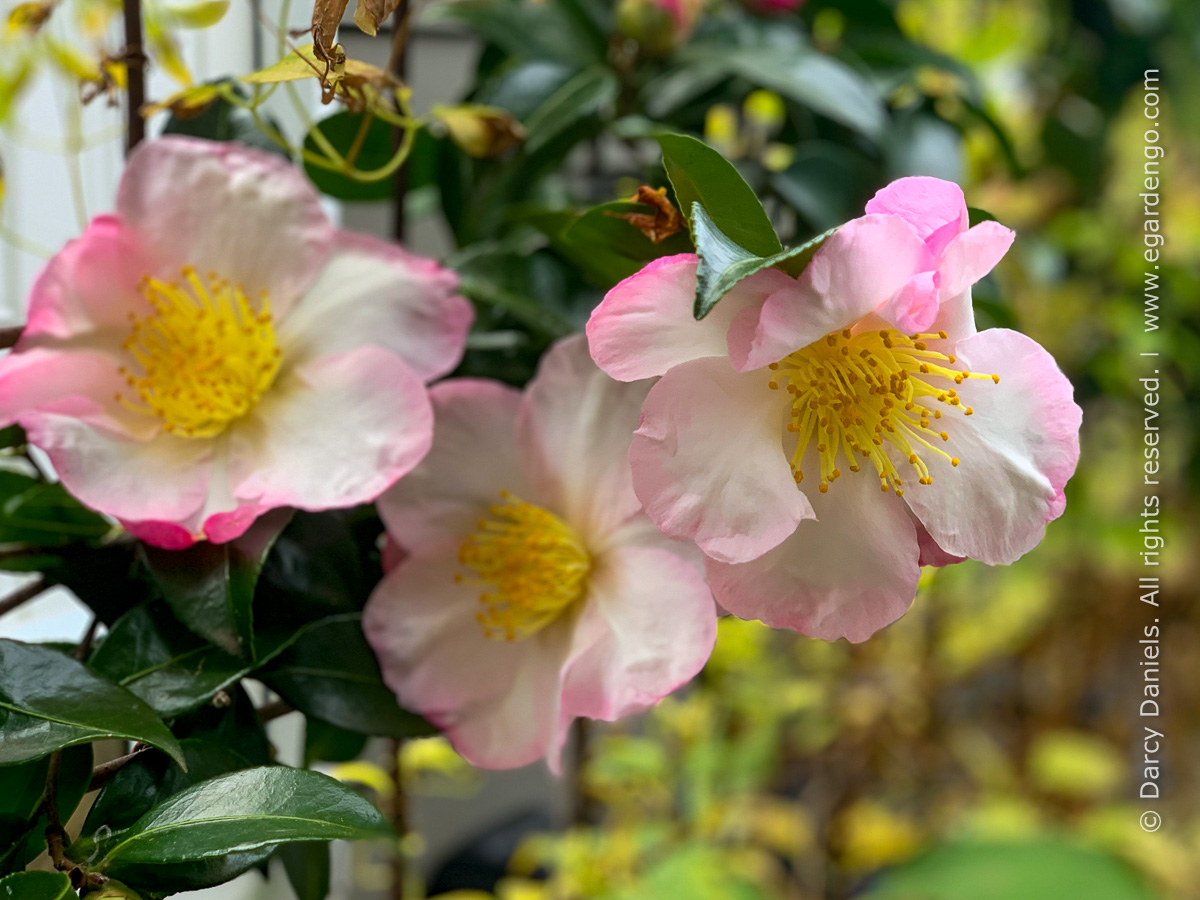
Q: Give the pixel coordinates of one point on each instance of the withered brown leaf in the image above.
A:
(327, 15)
(659, 225)
(369, 14)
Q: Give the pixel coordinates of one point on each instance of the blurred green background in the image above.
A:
(988, 745)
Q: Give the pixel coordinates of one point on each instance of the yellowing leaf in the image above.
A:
(194, 13)
(186, 103)
(30, 17)
(165, 51)
(74, 61)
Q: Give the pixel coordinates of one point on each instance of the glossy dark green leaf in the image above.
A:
(238, 813)
(234, 724)
(314, 570)
(44, 515)
(151, 654)
(110, 579)
(328, 743)
(723, 263)
(307, 867)
(49, 701)
(210, 587)
(22, 833)
(375, 140)
(701, 174)
(161, 879)
(330, 672)
(1048, 869)
(149, 779)
(583, 95)
(36, 886)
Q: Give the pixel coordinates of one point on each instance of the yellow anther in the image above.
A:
(531, 565)
(206, 355)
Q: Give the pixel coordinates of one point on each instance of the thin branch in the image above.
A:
(135, 77)
(55, 833)
(103, 773)
(85, 645)
(23, 595)
(397, 812)
(10, 335)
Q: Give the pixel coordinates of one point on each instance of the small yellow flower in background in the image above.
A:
(748, 133)
(873, 836)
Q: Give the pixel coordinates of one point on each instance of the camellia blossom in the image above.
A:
(821, 438)
(217, 348)
(533, 589)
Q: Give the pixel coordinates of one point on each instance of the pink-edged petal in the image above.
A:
(496, 700)
(248, 216)
(160, 480)
(647, 627)
(848, 573)
(915, 307)
(860, 267)
(375, 293)
(332, 433)
(81, 384)
(86, 292)
(1016, 452)
(971, 255)
(645, 324)
(474, 456)
(574, 430)
(708, 461)
(165, 535)
(934, 207)
(931, 553)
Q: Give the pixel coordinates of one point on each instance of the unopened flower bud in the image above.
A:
(658, 26)
(481, 131)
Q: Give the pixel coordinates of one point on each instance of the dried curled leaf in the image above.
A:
(186, 104)
(369, 14)
(327, 15)
(659, 225)
(30, 17)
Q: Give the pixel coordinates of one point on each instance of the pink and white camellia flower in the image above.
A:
(821, 438)
(217, 348)
(534, 589)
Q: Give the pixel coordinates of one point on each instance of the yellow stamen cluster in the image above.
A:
(857, 393)
(531, 565)
(206, 354)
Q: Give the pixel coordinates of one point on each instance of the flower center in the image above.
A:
(531, 565)
(854, 394)
(206, 354)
